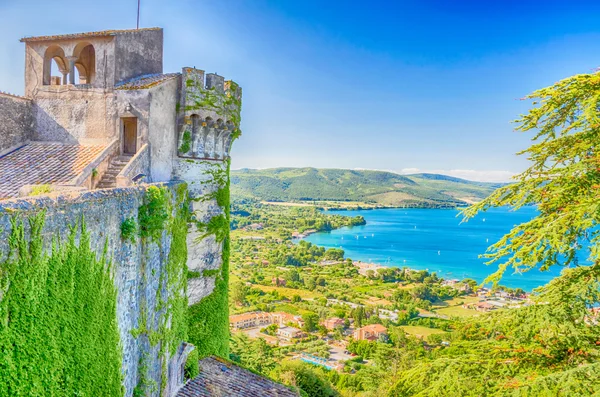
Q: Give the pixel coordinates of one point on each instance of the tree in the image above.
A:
(358, 314)
(296, 299)
(239, 292)
(255, 354)
(563, 181)
(309, 379)
(310, 283)
(292, 275)
(311, 321)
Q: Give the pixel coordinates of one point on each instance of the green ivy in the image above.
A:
(186, 142)
(163, 212)
(57, 317)
(192, 369)
(208, 320)
(210, 273)
(154, 213)
(128, 230)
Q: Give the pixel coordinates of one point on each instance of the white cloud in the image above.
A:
(471, 175)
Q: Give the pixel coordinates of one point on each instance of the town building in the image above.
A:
(283, 318)
(333, 323)
(250, 320)
(370, 332)
(289, 333)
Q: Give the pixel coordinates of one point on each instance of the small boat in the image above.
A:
(439, 253)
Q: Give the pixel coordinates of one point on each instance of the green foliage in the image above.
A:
(254, 354)
(94, 172)
(40, 189)
(162, 212)
(208, 319)
(57, 316)
(186, 142)
(310, 379)
(192, 368)
(154, 213)
(563, 180)
(549, 348)
(311, 321)
(129, 230)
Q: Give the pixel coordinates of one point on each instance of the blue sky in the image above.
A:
(406, 86)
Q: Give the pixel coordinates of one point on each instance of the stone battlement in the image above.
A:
(14, 96)
(210, 115)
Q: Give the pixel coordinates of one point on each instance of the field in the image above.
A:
(289, 292)
(453, 307)
(419, 331)
(457, 311)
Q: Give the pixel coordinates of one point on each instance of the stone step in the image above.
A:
(109, 179)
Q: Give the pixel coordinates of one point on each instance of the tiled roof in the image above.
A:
(101, 33)
(145, 81)
(43, 163)
(247, 316)
(374, 328)
(219, 378)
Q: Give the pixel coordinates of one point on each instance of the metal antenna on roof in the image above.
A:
(138, 15)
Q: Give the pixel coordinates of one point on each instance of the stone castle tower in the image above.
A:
(99, 127)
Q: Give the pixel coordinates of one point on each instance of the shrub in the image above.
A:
(128, 230)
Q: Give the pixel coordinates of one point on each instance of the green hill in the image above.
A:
(378, 187)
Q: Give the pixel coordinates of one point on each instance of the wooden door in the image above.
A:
(130, 135)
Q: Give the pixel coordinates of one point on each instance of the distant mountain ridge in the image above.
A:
(378, 187)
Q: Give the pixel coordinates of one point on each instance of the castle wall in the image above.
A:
(16, 121)
(138, 266)
(74, 115)
(205, 253)
(162, 131)
(138, 53)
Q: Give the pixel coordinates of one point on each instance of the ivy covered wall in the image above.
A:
(209, 120)
(101, 274)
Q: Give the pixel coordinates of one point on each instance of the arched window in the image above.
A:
(56, 67)
(85, 65)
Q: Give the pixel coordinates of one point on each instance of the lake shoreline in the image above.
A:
(422, 239)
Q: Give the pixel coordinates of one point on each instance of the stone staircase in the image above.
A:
(109, 179)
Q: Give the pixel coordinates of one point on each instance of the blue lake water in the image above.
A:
(433, 239)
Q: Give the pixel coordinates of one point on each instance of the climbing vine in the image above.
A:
(208, 319)
(58, 322)
(160, 213)
(226, 104)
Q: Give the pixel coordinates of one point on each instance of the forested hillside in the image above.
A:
(379, 187)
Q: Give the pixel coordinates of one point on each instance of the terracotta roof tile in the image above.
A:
(145, 81)
(219, 378)
(43, 163)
